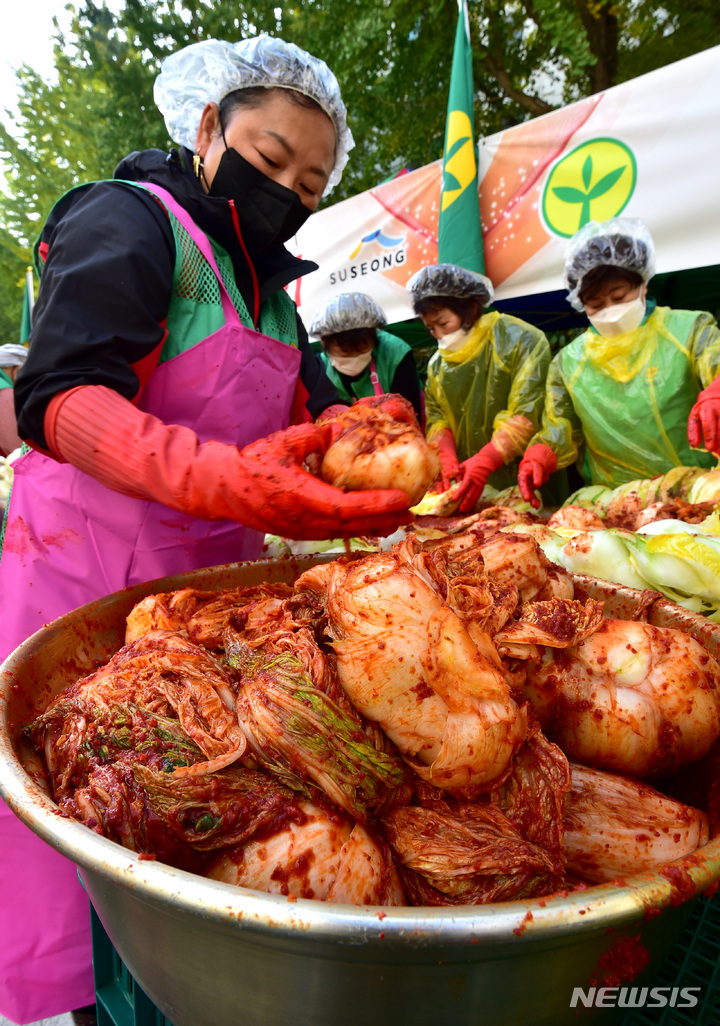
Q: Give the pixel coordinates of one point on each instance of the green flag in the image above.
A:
(28, 303)
(460, 232)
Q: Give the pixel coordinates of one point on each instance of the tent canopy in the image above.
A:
(646, 148)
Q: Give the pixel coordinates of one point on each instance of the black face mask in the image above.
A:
(269, 213)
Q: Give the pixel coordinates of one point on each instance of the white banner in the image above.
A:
(648, 148)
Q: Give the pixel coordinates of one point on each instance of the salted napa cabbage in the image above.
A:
(216, 810)
(706, 487)
(533, 795)
(631, 697)
(615, 826)
(602, 554)
(466, 854)
(684, 565)
(408, 662)
(315, 853)
(377, 443)
(299, 735)
(513, 499)
(593, 497)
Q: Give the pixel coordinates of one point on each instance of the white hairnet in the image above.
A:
(346, 311)
(12, 355)
(206, 72)
(620, 242)
(450, 280)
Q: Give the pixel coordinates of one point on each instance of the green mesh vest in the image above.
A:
(196, 308)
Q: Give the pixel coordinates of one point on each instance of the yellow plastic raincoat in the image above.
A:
(624, 402)
(491, 387)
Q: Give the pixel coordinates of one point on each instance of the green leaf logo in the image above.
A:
(593, 182)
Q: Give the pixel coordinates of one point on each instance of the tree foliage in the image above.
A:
(392, 58)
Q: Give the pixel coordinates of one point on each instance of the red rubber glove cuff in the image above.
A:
(704, 419)
(444, 445)
(476, 471)
(536, 466)
(262, 485)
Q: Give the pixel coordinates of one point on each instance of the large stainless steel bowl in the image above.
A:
(209, 954)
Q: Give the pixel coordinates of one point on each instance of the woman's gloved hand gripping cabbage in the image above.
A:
(262, 485)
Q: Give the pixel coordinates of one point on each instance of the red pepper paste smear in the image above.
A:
(519, 930)
(622, 962)
(683, 886)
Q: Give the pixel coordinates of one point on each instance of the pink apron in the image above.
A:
(70, 540)
(377, 387)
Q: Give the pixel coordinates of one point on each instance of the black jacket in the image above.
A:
(107, 281)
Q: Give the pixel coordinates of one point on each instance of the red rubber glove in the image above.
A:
(262, 485)
(475, 473)
(704, 419)
(444, 445)
(535, 469)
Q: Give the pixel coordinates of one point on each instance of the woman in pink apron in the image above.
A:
(360, 358)
(164, 351)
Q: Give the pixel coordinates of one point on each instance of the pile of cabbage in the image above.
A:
(692, 485)
(661, 534)
(442, 723)
(678, 559)
(619, 507)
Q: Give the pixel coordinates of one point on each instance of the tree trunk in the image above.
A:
(496, 66)
(601, 27)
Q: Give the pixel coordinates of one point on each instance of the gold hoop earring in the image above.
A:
(197, 164)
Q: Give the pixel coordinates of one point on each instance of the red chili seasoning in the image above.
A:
(623, 961)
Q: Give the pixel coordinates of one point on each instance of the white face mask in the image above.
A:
(620, 318)
(454, 341)
(351, 365)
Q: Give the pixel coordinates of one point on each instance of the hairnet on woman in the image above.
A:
(636, 394)
(484, 384)
(164, 350)
(360, 358)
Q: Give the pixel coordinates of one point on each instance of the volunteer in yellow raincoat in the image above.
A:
(485, 384)
(636, 394)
